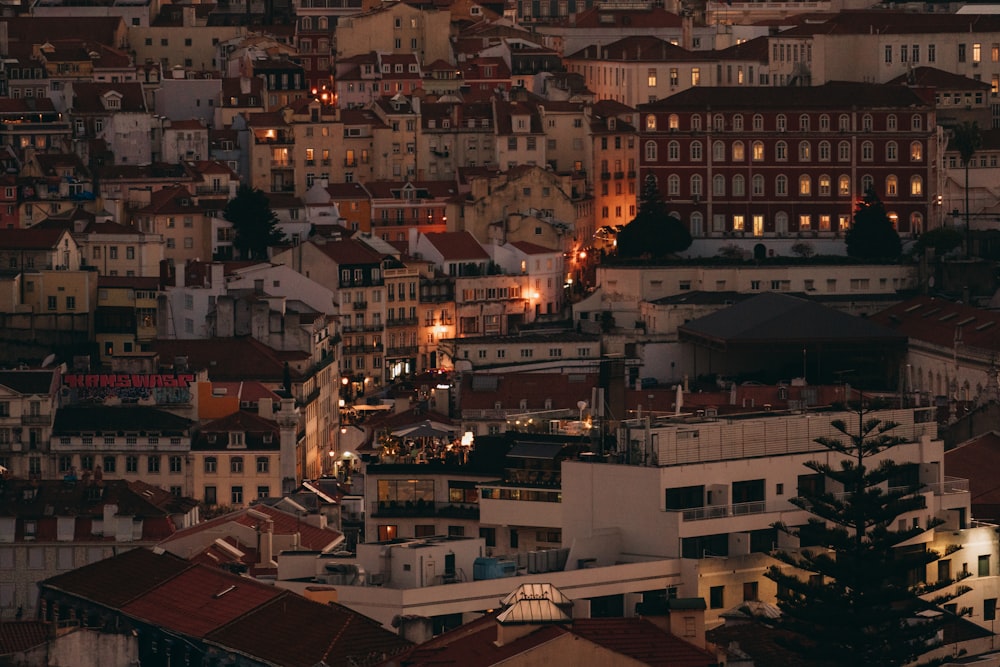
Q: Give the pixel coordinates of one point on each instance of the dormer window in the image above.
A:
(236, 440)
(112, 101)
(268, 438)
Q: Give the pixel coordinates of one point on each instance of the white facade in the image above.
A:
(282, 281)
(184, 98)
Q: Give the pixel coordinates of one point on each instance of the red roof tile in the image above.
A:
(457, 245)
(311, 537)
(529, 248)
(939, 321)
(116, 581)
(199, 600)
(639, 639)
(20, 636)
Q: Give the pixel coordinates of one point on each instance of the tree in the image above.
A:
(872, 235)
(864, 612)
(966, 139)
(254, 223)
(652, 232)
(942, 239)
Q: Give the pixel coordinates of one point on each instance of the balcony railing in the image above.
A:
(619, 175)
(422, 508)
(359, 328)
(401, 322)
(605, 175)
(35, 420)
(360, 305)
(722, 511)
(362, 349)
(350, 163)
(407, 351)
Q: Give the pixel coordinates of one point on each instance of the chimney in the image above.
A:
(188, 16)
(681, 617)
(265, 540)
(265, 408)
(412, 237)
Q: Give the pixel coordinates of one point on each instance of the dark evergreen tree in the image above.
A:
(872, 235)
(255, 225)
(864, 610)
(652, 232)
(966, 139)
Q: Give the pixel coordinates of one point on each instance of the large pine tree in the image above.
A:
(255, 225)
(872, 235)
(861, 608)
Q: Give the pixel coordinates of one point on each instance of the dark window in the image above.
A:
(513, 538)
(748, 492)
(990, 609)
(750, 590)
(490, 535)
(984, 566)
(210, 497)
(716, 597)
(811, 485)
(685, 497)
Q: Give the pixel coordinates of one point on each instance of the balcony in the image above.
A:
(723, 511)
(325, 162)
(404, 322)
(619, 175)
(408, 351)
(360, 305)
(350, 162)
(362, 349)
(605, 175)
(422, 508)
(631, 173)
(361, 328)
(36, 420)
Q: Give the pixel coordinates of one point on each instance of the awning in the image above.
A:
(535, 450)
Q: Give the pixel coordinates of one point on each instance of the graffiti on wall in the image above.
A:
(161, 388)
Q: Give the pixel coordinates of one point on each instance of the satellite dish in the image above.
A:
(48, 360)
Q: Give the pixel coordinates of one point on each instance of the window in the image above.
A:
(695, 76)
(673, 151)
(263, 491)
(718, 151)
(651, 151)
(891, 151)
(719, 185)
(990, 609)
(716, 597)
(696, 185)
(916, 186)
(804, 151)
(236, 495)
(916, 151)
(739, 186)
(984, 566)
(891, 186)
(109, 463)
(696, 151)
(824, 185)
(153, 464)
(824, 151)
(781, 124)
(758, 123)
(844, 186)
(916, 122)
(263, 464)
(651, 77)
(211, 464)
(673, 185)
(750, 590)
(781, 185)
(781, 151)
(131, 464)
(757, 151)
(757, 186)
(738, 151)
(805, 186)
(867, 151)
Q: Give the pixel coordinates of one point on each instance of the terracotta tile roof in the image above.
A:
(564, 390)
(861, 22)
(753, 49)
(116, 581)
(171, 200)
(338, 637)
(457, 245)
(640, 48)
(938, 321)
(52, 164)
(199, 600)
(132, 282)
(639, 639)
(352, 190)
(349, 251)
(931, 77)
(829, 96)
(231, 358)
(312, 537)
(156, 170)
(246, 390)
(29, 382)
(31, 239)
(529, 248)
(26, 31)
(87, 97)
(20, 636)
(108, 418)
(21, 105)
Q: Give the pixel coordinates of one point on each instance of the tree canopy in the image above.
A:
(254, 223)
(872, 235)
(652, 233)
(858, 607)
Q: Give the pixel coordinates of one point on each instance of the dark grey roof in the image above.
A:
(779, 318)
(27, 382)
(555, 337)
(535, 450)
(105, 419)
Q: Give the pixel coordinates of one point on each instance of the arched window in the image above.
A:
(844, 186)
(758, 185)
(917, 122)
(867, 183)
(697, 224)
(781, 122)
(916, 151)
(737, 123)
(307, 23)
(757, 151)
(891, 186)
(738, 155)
(674, 185)
(916, 186)
(916, 223)
(804, 123)
(890, 122)
(824, 123)
(696, 186)
(695, 122)
(824, 151)
(866, 123)
(781, 185)
(739, 186)
(867, 151)
(718, 151)
(804, 151)
(718, 185)
(824, 185)
(844, 123)
(891, 151)
(696, 151)
(651, 123)
(805, 186)
(650, 151)
(673, 122)
(323, 23)
(844, 151)
(718, 122)
(758, 123)
(781, 222)
(781, 151)
(673, 151)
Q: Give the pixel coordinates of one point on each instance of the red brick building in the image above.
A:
(771, 162)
